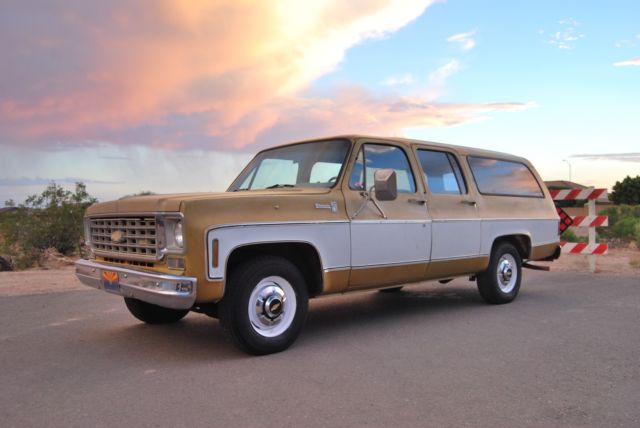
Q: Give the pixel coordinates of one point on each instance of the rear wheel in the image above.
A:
(153, 314)
(264, 306)
(500, 283)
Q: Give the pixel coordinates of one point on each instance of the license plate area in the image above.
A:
(111, 281)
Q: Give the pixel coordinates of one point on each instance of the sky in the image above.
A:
(176, 95)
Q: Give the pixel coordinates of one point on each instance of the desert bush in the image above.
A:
(570, 236)
(625, 227)
(52, 219)
(623, 222)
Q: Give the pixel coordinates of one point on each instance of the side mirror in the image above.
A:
(385, 185)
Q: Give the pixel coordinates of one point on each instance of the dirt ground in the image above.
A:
(618, 261)
(61, 278)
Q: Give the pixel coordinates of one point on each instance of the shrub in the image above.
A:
(570, 236)
(625, 228)
(622, 221)
(52, 219)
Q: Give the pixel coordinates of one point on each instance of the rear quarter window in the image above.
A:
(502, 177)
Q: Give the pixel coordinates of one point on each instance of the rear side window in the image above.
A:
(501, 177)
(442, 172)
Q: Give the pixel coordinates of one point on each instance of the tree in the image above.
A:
(52, 219)
(627, 191)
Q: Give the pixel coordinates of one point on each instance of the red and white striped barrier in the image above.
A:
(575, 194)
(590, 221)
(583, 248)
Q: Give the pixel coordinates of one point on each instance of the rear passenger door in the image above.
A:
(452, 207)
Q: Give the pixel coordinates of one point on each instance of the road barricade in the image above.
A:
(591, 221)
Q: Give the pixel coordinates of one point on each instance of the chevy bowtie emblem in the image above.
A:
(117, 236)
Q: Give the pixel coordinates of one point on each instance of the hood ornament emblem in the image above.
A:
(117, 236)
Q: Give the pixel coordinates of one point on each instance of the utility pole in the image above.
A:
(568, 163)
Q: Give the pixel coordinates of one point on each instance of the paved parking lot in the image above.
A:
(565, 353)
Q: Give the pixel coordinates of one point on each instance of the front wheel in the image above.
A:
(265, 305)
(153, 314)
(500, 283)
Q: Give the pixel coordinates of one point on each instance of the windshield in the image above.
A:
(314, 164)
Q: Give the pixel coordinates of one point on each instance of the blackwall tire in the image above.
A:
(500, 283)
(153, 314)
(264, 306)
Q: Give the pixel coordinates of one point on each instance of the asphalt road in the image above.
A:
(565, 353)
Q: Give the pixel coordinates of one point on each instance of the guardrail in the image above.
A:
(591, 221)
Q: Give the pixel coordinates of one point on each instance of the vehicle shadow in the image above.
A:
(375, 308)
(200, 338)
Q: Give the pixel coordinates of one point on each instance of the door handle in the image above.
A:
(472, 203)
(416, 201)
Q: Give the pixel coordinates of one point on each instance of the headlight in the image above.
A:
(171, 237)
(177, 234)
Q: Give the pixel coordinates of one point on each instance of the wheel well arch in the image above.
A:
(302, 254)
(522, 243)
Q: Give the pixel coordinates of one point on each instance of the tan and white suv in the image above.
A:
(319, 217)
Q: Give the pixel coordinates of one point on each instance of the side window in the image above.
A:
(373, 157)
(501, 177)
(442, 172)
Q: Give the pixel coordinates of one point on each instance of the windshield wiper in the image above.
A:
(240, 190)
(279, 186)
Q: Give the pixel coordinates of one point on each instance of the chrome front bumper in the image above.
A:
(169, 291)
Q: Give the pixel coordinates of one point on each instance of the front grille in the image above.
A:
(136, 263)
(131, 237)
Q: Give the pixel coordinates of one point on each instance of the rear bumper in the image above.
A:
(169, 291)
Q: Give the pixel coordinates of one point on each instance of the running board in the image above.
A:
(535, 267)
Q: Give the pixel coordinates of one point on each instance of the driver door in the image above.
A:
(392, 244)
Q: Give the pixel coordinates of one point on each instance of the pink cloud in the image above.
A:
(628, 63)
(209, 73)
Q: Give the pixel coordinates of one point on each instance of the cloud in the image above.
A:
(465, 40)
(208, 74)
(89, 69)
(37, 181)
(566, 36)
(622, 157)
(403, 79)
(356, 110)
(439, 76)
(628, 63)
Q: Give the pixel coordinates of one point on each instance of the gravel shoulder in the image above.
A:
(624, 262)
(39, 281)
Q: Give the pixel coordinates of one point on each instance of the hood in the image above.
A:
(173, 202)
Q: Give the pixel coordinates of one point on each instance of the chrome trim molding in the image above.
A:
(337, 269)
(169, 291)
(452, 259)
(419, 262)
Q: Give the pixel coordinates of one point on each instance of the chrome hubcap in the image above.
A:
(270, 303)
(272, 306)
(506, 273)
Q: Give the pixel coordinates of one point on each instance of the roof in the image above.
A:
(462, 150)
(7, 209)
(564, 184)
